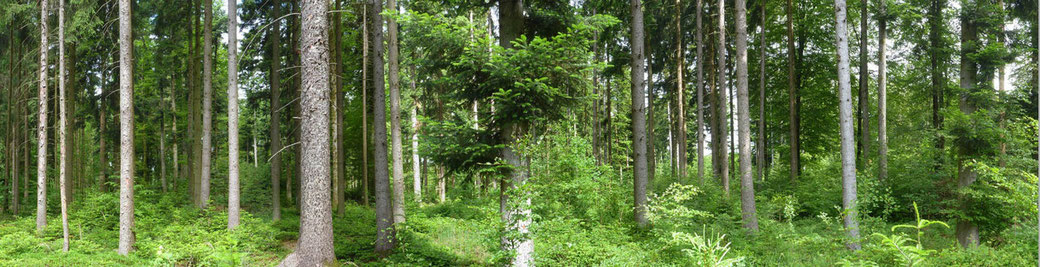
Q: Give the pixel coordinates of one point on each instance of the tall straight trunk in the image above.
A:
(596, 124)
(126, 131)
(700, 93)
(882, 98)
(518, 218)
(638, 112)
(794, 119)
(761, 144)
(197, 111)
(967, 231)
(365, 44)
(207, 102)
(175, 140)
(723, 102)
(393, 76)
(1037, 36)
(315, 246)
(13, 97)
(41, 128)
(747, 182)
(63, 131)
(848, 153)
(416, 127)
(234, 199)
(680, 97)
(935, 24)
(275, 132)
(162, 141)
(651, 151)
(337, 90)
(863, 112)
(384, 214)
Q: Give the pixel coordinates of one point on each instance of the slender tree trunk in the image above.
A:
(315, 245)
(761, 145)
(340, 106)
(416, 127)
(882, 98)
(935, 24)
(848, 153)
(724, 171)
(680, 102)
(41, 128)
(126, 131)
(234, 199)
(967, 231)
(747, 182)
(364, 104)
(518, 217)
(792, 90)
(651, 151)
(275, 37)
(393, 76)
(162, 141)
(863, 112)
(700, 93)
(384, 214)
(638, 112)
(13, 98)
(64, 117)
(207, 102)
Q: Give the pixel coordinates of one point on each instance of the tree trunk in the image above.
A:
(935, 24)
(315, 245)
(275, 37)
(518, 217)
(967, 231)
(723, 173)
(416, 170)
(882, 98)
(41, 128)
(848, 153)
(63, 131)
(747, 182)
(234, 199)
(337, 89)
(761, 145)
(863, 112)
(384, 214)
(207, 102)
(638, 112)
(680, 96)
(365, 44)
(126, 131)
(700, 93)
(792, 90)
(395, 115)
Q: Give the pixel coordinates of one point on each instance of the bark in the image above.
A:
(365, 44)
(935, 24)
(315, 245)
(967, 231)
(651, 151)
(393, 76)
(792, 90)
(863, 113)
(700, 93)
(680, 96)
(13, 98)
(761, 145)
(275, 36)
(126, 131)
(416, 127)
(384, 214)
(518, 217)
(882, 98)
(848, 153)
(41, 128)
(638, 112)
(63, 131)
(747, 182)
(207, 103)
(723, 172)
(234, 200)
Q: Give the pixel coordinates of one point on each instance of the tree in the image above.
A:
(761, 145)
(63, 174)
(41, 127)
(207, 102)
(384, 215)
(274, 37)
(723, 172)
(882, 95)
(794, 120)
(337, 90)
(638, 112)
(848, 153)
(863, 113)
(966, 230)
(747, 182)
(394, 77)
(315, 244)
(126, 131)
(233, 185)
(680, 94)
(700, 93)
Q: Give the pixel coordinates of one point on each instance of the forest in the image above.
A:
(519, 133)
